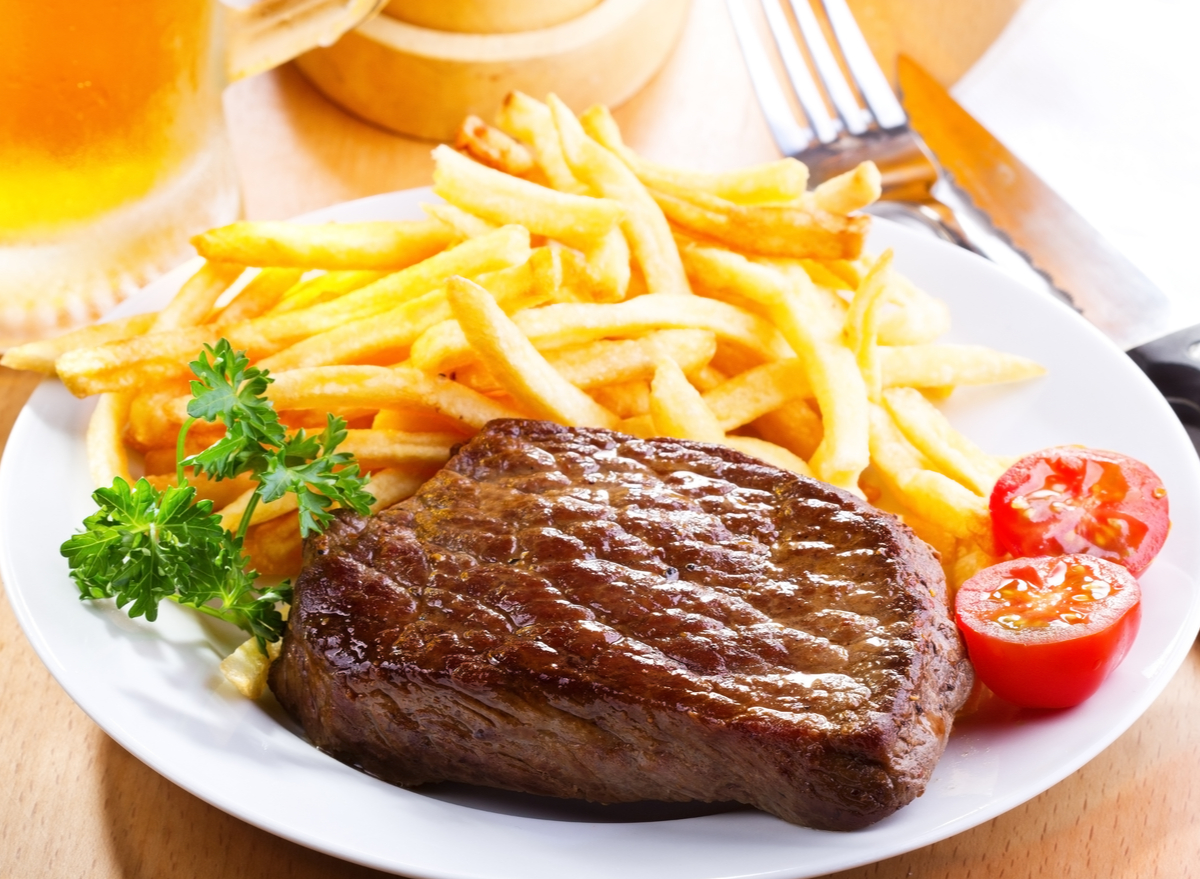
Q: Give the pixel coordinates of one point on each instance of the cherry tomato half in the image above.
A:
(1046, 632)
(1072, 499)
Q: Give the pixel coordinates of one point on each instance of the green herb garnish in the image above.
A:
(144, 545)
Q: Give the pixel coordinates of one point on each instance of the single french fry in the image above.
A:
(107, 458)
(851, 191)
(795, 425)
(259, 296)
(608, 265)
(947, 449)
(625, 399)
(969, 559)
(770, 230)
(733, 359)
(232, 514)
(332, 388)
(531, 121)
(677, 409)
(706, 378)
(150, 421)
(775, 455)
(880, 494)
(379, 245)
(755, 392)
(275, 547)
(577, 220)
(220, 491)
(939, 366)
(638, 425)
(246, 667)
(782, 180)
(614, 361)
(930, 494)
(823, 276)
(160, 463)
(41, 355)
(196, 297)
(862, 323)
(444, 348)
(644, 225)
(392, 485)
(721, 274)
(419, 421)
(324, 288)
(516, 364)
(826, 309)
(492, 147)
(466, 224)
(376, 449)
(911, 316)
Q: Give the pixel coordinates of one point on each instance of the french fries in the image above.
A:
(517, 365)
(386, 245)
(566, 277)
(576, 220)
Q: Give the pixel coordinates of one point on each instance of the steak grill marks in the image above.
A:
(581, 613)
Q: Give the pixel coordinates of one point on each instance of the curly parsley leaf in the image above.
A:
(307, 467)
(144, 545)
(229, 390)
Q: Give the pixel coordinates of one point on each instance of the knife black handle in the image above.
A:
(1173, 364)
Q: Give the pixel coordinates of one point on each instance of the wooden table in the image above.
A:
(77, 804)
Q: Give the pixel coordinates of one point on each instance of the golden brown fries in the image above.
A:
(677, 409)
(509, 356)
(41, 356)
(493, 147)
(779, 181)
(576, 220)
(566, 277)
(260, 295)
(644, 225)
(386, 246)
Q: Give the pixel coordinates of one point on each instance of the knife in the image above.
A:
(1104, 286)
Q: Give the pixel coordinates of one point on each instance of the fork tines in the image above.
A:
(881, 113)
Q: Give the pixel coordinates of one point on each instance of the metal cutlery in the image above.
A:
(1003, 195)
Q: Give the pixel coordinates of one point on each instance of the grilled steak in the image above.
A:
(581, 613)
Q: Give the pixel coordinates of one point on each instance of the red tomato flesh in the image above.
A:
(1073, 499)
(1046, 632)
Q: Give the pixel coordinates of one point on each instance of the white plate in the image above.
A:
(157, 689)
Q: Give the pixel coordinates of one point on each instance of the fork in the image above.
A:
(830, 145)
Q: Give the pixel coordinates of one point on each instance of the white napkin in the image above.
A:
(1102, 99)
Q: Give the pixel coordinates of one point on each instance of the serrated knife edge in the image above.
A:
(1105, 286)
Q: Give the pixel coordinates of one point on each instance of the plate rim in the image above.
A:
(407, 199)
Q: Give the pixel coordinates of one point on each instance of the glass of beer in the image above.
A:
(113, 150)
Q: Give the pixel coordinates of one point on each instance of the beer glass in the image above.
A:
(112, 143)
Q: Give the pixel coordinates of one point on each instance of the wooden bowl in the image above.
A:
(487, 16)
(423, 82)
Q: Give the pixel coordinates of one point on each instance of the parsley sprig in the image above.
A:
(144, 545)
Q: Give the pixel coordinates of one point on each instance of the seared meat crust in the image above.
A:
(581, 613)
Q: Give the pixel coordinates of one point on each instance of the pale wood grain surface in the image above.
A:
(75, 804)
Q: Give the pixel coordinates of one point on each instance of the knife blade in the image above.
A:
(1103, 285)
